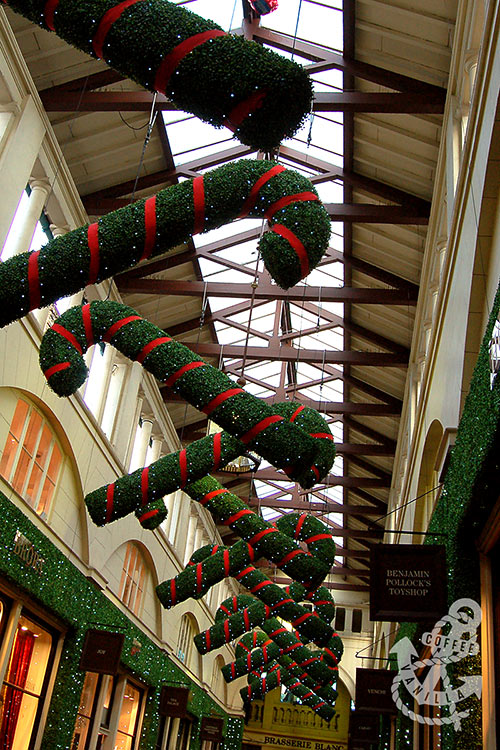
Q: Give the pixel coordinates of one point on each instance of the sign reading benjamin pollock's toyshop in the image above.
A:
(407, 582)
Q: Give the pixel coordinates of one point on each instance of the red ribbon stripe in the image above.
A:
(172, 60)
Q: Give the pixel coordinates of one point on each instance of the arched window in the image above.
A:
(31, 459)
(133, 579)
(185, 640)
(186, 651)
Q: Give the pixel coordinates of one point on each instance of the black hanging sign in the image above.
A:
(101, 651)
(364, 728)
(374, 690)
(173, 701)
(407, 582)
(211, 729)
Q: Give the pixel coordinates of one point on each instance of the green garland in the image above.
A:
(226, 80)
(64, 591)
(261, 653)
(469, 493)
(150, 227)
(283, 443)
(260, 538)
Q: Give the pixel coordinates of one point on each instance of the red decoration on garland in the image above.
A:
(263, 7)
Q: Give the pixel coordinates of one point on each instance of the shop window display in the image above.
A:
(24, 684)
(110, 707)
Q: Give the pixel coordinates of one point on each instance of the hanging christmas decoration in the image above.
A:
(298, 237)
(284, 443)
(279, 669)
(222, 79)
(263, 7)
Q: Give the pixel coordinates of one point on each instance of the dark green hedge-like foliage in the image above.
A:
(469, 493)
(275, 545)
(259, 655)
(284, 444)
(63, 264)
(209, 82)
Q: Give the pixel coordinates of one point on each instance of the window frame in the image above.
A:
(14, 457)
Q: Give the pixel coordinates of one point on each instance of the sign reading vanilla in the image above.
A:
(408, 582)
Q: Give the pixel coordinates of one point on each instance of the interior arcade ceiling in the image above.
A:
(340, 341)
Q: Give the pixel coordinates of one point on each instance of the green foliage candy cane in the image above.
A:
(278, 543)
(222, 79)
(298, 236)
(285, 670)
(252, 422)
(213, 564)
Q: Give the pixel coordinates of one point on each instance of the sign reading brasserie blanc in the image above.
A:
(407, 582)
(298, 744)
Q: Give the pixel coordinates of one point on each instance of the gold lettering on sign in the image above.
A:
(25, 550)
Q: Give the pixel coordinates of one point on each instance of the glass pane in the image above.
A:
(17, 717)
(21, 471)
(88, 694)
(123, 742)
(34, 480)
(129, 710)
(19, 418)
(45, 496)
(55, 463)
(80, 734)
(12, 442)
(33, 432)
(107, 702)
(30, 655)
(42, 450)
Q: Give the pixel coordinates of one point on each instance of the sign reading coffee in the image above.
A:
(407, 582)
(374, 690)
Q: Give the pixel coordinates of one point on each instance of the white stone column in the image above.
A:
(154, 450)
(141, 445)
(126, 416)
(31, 217)
(191, 531)
(17, 158)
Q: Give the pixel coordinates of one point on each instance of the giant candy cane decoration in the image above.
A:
(220, 78)
(298, 236)
(305, 458)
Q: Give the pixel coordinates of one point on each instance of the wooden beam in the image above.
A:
(346, 510)
(74, 100)
(311, 356)
(325, 56)
(361, 101)
(267, 292)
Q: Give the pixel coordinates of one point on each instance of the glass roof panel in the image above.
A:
(320, 139)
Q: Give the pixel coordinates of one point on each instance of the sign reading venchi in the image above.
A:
(298, 744)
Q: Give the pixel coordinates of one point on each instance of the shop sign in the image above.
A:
(297, 744)
(173, 701)
(374, 690)
(25, 550)
(407, 582)
(211, 729)
(364, 727)
(101, 651)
